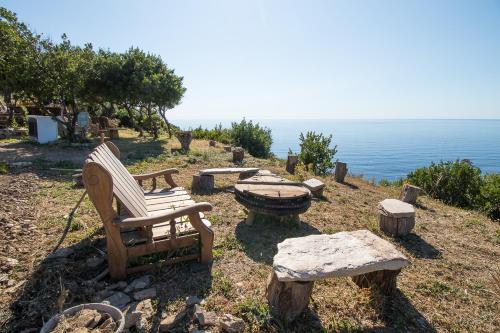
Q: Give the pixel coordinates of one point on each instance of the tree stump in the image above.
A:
(202, 183)
(211, 143)
(287, 300)
(384, 281)
(227, 149)
(114, 134)
(291, 163)
(340, 171)
(409, 194)
(238, 154)
(185, 138)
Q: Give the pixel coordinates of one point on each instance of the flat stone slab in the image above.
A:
(317, 257)
(220, 171)
(314, 184)
(396, 208)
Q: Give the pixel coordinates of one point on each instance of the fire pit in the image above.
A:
(272, 195)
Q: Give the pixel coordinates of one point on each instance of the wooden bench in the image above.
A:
(368, 259)
(144, 222)
(396, 217)
(204, 181)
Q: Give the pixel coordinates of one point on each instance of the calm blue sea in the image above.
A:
(390, 148)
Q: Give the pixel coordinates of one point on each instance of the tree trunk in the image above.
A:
(409, 194)
(291, 163)
(287, 300)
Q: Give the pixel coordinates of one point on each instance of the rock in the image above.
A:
(205, 318)
(94, 262)
(9, 263)
(396, 208)
(119, 285)
(192, 300)
(102, 294)
(232, 324)
(167, 324)
(61, 253)
(317, 257)
(144, 294)
(139, 283)
(118, 299)
(138, 313)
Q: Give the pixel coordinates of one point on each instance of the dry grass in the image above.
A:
(451, 286)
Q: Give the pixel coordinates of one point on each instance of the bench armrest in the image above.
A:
(155, 174)
(145, 221)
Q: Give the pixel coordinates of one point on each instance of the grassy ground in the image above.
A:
(449, 286)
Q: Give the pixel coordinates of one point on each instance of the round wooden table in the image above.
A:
(275, 200)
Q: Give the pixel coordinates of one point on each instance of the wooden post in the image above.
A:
(340, 171)
(384, 281)
(211, 143)
(238, 155)
(202, 183)
(409, 194)
(291, 163)
(287, 300)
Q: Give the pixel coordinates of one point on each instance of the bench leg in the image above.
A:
(384, 280)
(287, 300)
(251, 217)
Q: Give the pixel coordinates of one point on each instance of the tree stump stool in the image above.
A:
(227, 149)
(238, 155)
(315, 186)
(396, 217)
(291, 163)
(368, 259)
(202, 183)
(114, 134)
(409, 194)
(211, 143)
(340, 172)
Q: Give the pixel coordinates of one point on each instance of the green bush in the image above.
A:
(315, 152)
(456, 183)
(254, 138)
(217, 133)
(4, 168)
(489, 200)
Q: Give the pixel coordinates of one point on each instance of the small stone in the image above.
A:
(192, 300)
(139, 283)
(232, 324)
(61, 253)
(205, 318)
(94, 262)
(119, 285)
(118, 299)
(144, 294)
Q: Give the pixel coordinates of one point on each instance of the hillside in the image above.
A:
(449, 287)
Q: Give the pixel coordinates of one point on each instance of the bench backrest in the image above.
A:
(125, 188)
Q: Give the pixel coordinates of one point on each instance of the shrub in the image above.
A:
(489, 200)
(217, 133)
(254, 138)
(456, 183)
(4, 168)
(315, 152)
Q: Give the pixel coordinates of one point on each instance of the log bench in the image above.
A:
(204, 181)
(368, 259)
(396, 217)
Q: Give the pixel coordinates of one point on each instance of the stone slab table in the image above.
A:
(368, 259)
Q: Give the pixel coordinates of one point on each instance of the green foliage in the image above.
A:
(456, 183)
(315, 152)
(217, 133)
(4, 168)
(489, 200)
(255, 312)
(254, 138)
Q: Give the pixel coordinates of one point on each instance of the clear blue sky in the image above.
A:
(302, 59)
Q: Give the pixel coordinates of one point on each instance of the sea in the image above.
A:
(388, 149)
